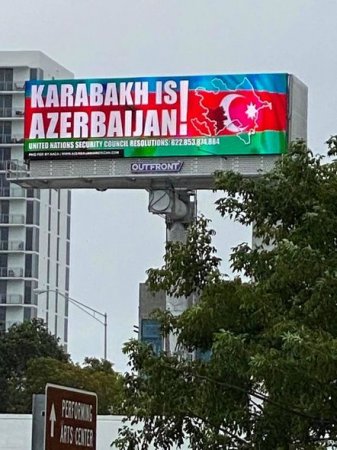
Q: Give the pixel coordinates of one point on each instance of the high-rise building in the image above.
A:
(34, 224)
(149, 328)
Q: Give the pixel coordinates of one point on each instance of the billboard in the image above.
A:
(208, 115)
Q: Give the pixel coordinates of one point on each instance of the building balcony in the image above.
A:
(9, 192)
(8, 139)
(12, 246)
(12, 113)
(12, 219)
(12, 86)
(11, 299)
(17, 169)
(6, 324)
(14, 272)
(4, 165)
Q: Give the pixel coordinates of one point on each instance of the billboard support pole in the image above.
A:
(179, 207)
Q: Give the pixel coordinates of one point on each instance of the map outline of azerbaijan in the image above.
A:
(212, 118)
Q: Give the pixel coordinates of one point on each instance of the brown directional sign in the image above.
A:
(70, 419)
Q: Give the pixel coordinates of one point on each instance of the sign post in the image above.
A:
(70, 418)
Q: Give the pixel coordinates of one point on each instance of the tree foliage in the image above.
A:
(270, 381)
(189, 266)
(95, 375)
(19, 345)
(31, 357)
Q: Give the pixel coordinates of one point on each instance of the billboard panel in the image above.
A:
(208, 115)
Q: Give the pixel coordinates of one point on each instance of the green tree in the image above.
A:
(96, 375)
(270, 381)
(31, 357)
(20, 344)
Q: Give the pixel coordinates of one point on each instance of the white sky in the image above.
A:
(114, 238)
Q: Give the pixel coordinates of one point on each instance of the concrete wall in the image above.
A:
(16, 431)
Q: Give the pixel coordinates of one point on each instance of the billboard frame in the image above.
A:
(196, 172)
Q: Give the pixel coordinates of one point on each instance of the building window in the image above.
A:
(32, 239)
(49, 218)
(37, 213)
(33, 74)
(33, 193)
(48, 271)
(151, 334)
(5, 154)
(4, 212)
(58, 222)
(66, 306)
(48, 248)
(3, 234)
(36, 241)
(55, 332)
(29, 213)
(6, 79)
(5, 105)
(29, 238)
(58, 249)
(34, 296)
(31, 266)
(33, 212)
(68, 227)
(28, 293)
(5, 132)
(57, 274)
(3, 292)
(28, 266)
(3, 261)
(69, 202)
(35, 266)
(36, 74)
(4, 183)
(27, 314)
(66, 330)
(68, 253)
(2, 319)
(67, 279)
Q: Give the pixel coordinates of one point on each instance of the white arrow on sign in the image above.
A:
(52, 419)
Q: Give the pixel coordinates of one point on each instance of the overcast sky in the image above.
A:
(114, 239)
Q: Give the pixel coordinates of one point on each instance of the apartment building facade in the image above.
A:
(34, 224)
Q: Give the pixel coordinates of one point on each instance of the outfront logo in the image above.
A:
(158, 167)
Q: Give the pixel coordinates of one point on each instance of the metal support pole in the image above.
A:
(38, 422)
(105, 335)
(179, 209)
(85, 308)
(175, 232)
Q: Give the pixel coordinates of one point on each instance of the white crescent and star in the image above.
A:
(251, 113)
(228, 122)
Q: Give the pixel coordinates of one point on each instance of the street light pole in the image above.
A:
(85, 308)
